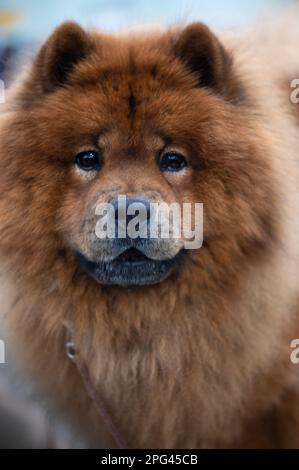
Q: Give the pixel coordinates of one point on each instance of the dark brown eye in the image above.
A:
(172, 161)
(88, 160)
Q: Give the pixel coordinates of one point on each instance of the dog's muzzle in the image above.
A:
(131, 256)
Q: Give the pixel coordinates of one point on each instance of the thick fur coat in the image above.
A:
(202, 359)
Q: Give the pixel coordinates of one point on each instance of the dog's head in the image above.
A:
(116, 128)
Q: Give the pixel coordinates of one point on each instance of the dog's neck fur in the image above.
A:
(151, 387)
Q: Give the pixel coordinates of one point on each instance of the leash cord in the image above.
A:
(94, 395)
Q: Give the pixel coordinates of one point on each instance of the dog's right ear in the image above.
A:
(66, 47)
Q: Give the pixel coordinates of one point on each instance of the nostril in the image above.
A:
(139, 203)
(119, 207)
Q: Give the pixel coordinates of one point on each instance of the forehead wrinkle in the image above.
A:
(132, 99)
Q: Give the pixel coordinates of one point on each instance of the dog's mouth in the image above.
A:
(132, 267)
(132, 255)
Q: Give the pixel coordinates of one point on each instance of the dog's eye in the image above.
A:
(88, 160)
(172, 161)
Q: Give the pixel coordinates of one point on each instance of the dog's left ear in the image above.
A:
(204, 55)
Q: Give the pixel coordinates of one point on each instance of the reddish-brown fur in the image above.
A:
(202, 359)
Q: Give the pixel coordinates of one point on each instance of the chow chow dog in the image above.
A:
(168, 347)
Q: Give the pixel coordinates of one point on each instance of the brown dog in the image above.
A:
(188, 348)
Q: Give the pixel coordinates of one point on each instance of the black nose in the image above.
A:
(122, 206)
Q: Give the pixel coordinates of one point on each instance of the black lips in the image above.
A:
(131, 268)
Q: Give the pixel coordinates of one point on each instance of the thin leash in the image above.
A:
(94, 395)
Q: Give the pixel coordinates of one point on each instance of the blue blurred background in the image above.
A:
(24, 23)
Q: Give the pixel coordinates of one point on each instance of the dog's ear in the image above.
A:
(66, 47)
(204, 55)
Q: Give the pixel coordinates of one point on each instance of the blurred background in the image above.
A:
(24, 419)
(24, 23)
